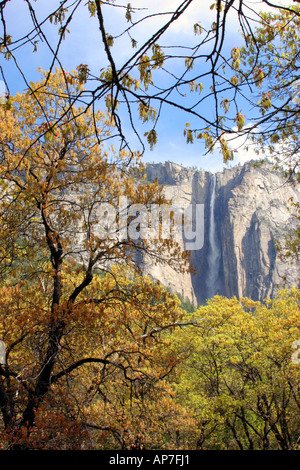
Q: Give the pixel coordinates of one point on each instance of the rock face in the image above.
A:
(245, 212)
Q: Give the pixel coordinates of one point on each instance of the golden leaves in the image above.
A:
(189, 63)
(147, 112)
(258, 76)
(240, 120)
(151, 138)
(198, 87)
(158, 56)
(197, 29)
(56, 176)
(265, 102)
(235, 54)
(144, 68)
(225, 103)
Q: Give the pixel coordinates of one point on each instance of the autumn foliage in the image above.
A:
(242, 377)
(63, 307)
(97, 355)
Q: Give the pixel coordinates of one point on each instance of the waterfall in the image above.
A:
(214, 253)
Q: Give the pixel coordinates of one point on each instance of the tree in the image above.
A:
(62, 225)
(157, 76)
(242, 376)
(133, 406)
(272, 59)
(109, 375)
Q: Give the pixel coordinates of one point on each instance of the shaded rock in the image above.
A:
(250, 214)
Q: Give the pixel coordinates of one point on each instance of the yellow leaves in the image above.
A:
(188, 133)
(144, 68)
(4, 43)
(206, 135)
(265, 102)
(225, 150)
(58, 16)
(151, 138)
(234, 80)
(146, 65)
(23, 311)
(147, 112)
(209, 141)
(236, 64)
(6, 103)
(8, 124)
(109, 40)
(48, 168)
(240, 120)
(238, 356)
(147, 359)
(197, 29)
(258, 77)
(225, 104)
(92, 7)
(158, 56)
(216, 6)
(128, 82)
(133, 43)
(119, 316)
(196, 86)
(235, 54)
(189, 63)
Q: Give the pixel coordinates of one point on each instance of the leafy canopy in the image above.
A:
(203, 75)
(59, 312)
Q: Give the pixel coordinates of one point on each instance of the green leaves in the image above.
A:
(239, 372)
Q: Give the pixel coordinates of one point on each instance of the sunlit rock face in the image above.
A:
(245, 214)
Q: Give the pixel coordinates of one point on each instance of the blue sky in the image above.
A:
(83, 45)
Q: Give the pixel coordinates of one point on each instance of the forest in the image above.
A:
(94, 355)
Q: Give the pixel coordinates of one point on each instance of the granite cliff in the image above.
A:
(245, 213)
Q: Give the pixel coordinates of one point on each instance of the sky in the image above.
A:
(83, 45)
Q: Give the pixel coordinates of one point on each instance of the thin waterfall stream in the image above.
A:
(214, 252)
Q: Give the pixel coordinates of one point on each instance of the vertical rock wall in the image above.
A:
(250, 213)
